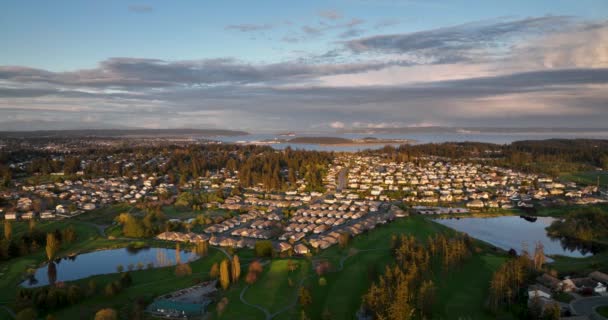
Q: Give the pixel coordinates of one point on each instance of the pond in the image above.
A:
(104, 262)
(513, 232)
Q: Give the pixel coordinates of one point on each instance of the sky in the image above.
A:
(264, 66)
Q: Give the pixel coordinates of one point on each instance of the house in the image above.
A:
(599, 276)
(10, 216)
(548, 281)
(475, 204)
(282, 247)
(538, 291)
(301, 249)
(600, 288)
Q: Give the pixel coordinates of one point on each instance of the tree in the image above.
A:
(552, 312)
(224, 274)
(236, 268)
(263, 248)
(344, 239)
(426, 299)
(215, 271)
(201, 248)
(106, 314)
(539, 256)
(52, 246)
(27, 314)
(74, 294)
(304, 297)
(183, 269)
(8, 230)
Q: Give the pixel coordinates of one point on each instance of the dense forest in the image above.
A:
(585, 224)
(552, 157)
(254, 165)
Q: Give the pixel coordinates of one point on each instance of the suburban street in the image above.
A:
(586, 306)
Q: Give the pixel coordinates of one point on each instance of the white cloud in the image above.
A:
(337, 125)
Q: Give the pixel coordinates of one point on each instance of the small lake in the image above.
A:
(512, 232)
(104, 262)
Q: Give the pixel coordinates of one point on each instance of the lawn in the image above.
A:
(174, 213)
(147, 284)
(581, 266)
(587, 178)
(272, 289)
(603, 311)
(463, 292)
(106, 215)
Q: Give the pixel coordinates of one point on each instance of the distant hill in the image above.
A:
(122, 133)
(435, 129)
(321, 140)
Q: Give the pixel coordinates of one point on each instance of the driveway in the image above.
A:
(587, 306)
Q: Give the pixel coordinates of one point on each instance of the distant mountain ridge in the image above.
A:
(438, 129)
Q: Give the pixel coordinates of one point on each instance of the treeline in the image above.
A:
(49, 298)
(151, 224)
(256, 165)
(508, 284)
(585, 224)
(406, 290)
(553, 156)
(12, 246)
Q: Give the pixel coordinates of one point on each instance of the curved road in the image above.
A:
(587, 306)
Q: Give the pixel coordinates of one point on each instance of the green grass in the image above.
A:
(147, 284)
(463, 292)
(587, 178)
(563, 297)
(602, 311)
(174, 213)
(106, 215)
(581, 266)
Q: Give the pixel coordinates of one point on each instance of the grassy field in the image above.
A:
(462, 293)
(581, 266)
(147, 284)
(587, 178)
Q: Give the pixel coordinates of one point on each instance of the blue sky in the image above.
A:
(100, 62)
(65, 35)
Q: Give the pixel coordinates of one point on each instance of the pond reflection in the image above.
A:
(104, 262)
(512, 232)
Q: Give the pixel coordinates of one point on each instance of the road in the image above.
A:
(342, 179)
(587, 306)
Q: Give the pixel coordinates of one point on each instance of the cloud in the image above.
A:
(330, 14)
(337, 125)
(549, 78)
(323, 28)
(140, 8)
(462, 42)
(249, 27)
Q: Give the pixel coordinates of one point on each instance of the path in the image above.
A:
(587, 306)
(9, 311)
(342, 179)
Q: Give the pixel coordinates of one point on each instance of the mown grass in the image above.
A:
(587, 178)
(462, 292)
(580, 266)
(147, 284)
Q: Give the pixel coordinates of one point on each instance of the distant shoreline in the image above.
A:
(333, 141)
